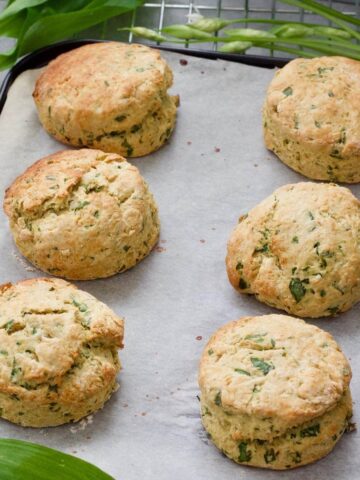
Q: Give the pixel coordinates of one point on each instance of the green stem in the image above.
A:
(292, 51)
(326, 13)
(271, 21)
(281, 45)
(323, 46)
(308, 4)
(329, 46)
(310, 25)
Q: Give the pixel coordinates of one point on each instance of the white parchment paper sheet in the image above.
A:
(214, 169)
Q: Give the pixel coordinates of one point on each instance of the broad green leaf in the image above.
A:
(12, 26)
(68, 6)
(19, 5)
(31, 16)
(111, 3)
(7, 59)
(21, 460)
(56, 27)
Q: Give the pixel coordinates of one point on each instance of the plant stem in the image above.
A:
(292, 51)
(308, 4)
(325, 12)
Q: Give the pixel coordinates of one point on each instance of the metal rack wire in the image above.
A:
(157, 14)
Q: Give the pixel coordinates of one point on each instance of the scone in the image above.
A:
(311, 118)
(112, 96)
(58, 352)
(82, 214)
(298, 250)
(274, 391)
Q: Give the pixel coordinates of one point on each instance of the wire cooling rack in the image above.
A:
(157, 14)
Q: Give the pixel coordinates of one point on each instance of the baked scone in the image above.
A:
(82, 214)
(58, 352)
(298, 250)
(311, 118)
(274, 391)
(112, 96)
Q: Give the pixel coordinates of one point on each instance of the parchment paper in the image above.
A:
(214, 169)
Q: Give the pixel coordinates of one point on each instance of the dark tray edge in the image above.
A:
(41, 57)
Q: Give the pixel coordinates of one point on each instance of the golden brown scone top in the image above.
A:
(105, 79)
(45, 325)
(318, 100)
(298, 250)
(276, 367)
(49, 184)
(82, 214)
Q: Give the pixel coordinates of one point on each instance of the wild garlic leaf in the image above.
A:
(23, 460)
(261, 365)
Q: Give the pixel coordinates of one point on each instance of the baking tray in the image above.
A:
(214, 168)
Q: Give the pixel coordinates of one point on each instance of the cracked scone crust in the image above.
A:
(274, 391)
(58, 355)
(112, 96)
(299, 250)
(311, 118)
(82, 214)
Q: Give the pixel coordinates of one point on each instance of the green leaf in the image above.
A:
(270, 455)
(242, 372)
(81, 306)
(18, 6)
(38, 23)
(8, 58)
(312, 431)
(71, 6)
(53, 28)
(261, 365)
(244, 454)
(12, 26)
(287, 91)
(21, 460)
(242, 284)
(256, 337)
(297, 289)
(217, 399)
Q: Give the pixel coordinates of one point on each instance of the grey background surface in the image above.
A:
(214, 169)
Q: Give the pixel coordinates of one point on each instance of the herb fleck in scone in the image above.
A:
(299, 250)
(274, 391)
(311, 118)
(82, 214)
(111, 96)
(58, 352)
